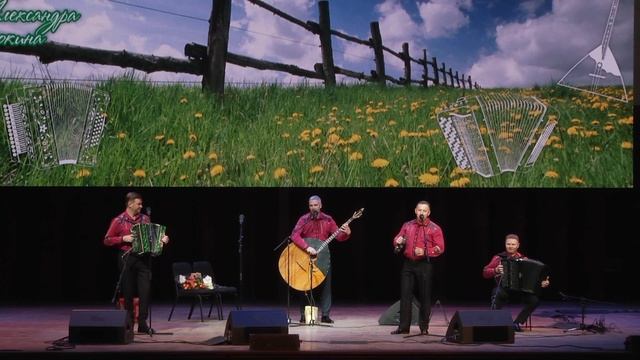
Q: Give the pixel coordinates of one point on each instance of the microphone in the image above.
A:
(241, 218)
(422, 217)
(314, 214)
(398, 248)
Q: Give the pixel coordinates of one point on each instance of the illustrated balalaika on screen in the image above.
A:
(56, 124)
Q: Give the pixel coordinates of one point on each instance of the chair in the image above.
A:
(204, 267)
(185, 269)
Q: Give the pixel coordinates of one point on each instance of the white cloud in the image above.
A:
(541, 49)
(530, 7)
(443, 18)
(168, 50)
(137, 42)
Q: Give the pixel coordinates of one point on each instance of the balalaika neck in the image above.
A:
(333, 236)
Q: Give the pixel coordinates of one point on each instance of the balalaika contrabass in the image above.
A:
(304, 272)
(56, 124)
(147, 239)
(522, 274)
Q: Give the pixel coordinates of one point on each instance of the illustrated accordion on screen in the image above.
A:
(522, 274)
(509, 125)
(56, 124)
(147, 239)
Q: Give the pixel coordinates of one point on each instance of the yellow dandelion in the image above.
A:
(576, 121)
(391, 183)
(380, 163)
(189, 154)
(372, 133)
(597, 148)
(198, 115)
(216, 170)
(354, 138)
(626, 145)
(193, 137)
(170, 141)
(305, 135)
(250, 157)
(433, 170)
(315, 142)
(333, 139)
(459, 171)
(213, 156)
(392, 122)
(183, 100)
(159, 137)
(316, 169)
(258, 175)
(576, 180)
(429, 179)
(183, 177)
(608, 127)
(285, 135)
(355, 156)
(316, 132)
(83, 173)
(462, 182)
(572, 131)
(595, 122)
(404, 133)
(626, 121)
(121, 135)
(139, 173)
(551, 174)
(558, 146)
(279, 173)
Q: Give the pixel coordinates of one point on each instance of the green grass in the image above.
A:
(256, 131)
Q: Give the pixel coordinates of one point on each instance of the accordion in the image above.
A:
(56, 124)
(522, 274)
(147, 239)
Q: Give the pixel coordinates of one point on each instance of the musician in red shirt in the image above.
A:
(318, 225)
(137, 268)
(419, 241)
(500, 295)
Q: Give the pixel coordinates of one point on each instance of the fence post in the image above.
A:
(470, 85)
(464, 85)
(407, 64)
(436, 75)
(376, 43)
(444, 74)
(457, 80)
(217, 45)
(325, 43)
(451, 76)
(425, 68)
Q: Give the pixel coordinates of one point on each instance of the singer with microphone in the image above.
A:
(135, 269)
(418, 241)
(500, 295)
(318, 225)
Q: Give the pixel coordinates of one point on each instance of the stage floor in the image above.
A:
(28, 332)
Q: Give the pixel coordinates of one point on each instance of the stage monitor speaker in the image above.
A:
(481, 326)
(242, 323)
(100, 327)
(391, 316)
(271, 342)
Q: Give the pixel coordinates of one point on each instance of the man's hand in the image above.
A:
(400, 240)
(345, 229)
(127, 238)
(437, 250)
(419, 251)
(545, 283)
(165, 240)
(311, 251)
(499, 269)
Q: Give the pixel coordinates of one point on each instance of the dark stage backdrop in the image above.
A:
(52, 247)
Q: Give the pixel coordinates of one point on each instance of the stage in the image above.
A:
(29, 332)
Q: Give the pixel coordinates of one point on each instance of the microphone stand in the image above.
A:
(240, 238)
(598, 327)
(287, 241)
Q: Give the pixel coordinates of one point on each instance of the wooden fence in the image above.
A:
(210, 60)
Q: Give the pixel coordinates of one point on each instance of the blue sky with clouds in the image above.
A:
(500, 43)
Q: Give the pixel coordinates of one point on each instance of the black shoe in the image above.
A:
(399, 331)
(424, 331)
(302, 320)
(144, 329)
(516, 327)
(326, 319)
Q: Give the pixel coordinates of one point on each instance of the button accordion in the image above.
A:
(522, 274)
(56, 124)
(147, 239)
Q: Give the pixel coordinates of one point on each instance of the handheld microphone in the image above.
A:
(422, 217)
(314, 214)
(241, 218)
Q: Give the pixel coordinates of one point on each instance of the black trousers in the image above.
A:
(501, 296)
(324, 291)
(415, 278)
(137, 274)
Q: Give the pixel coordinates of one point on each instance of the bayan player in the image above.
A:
(309, 234)
(515, 275)
(135, 268)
